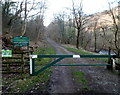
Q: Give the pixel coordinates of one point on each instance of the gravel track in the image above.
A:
(100, 80)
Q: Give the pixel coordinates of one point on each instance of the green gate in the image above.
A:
(111, 64)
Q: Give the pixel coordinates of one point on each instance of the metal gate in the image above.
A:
(111, 64)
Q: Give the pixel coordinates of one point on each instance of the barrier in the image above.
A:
(111, 64)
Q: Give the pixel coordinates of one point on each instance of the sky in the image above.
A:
(58, 6)
(89, 7)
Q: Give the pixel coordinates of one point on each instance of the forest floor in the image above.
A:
(85, 80)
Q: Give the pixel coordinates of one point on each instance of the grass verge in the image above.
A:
(83, 52)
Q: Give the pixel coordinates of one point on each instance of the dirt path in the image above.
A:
(61, 79)
(99, 79)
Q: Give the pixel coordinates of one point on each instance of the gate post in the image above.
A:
(118, 63)
(32, 69)
(109, 60)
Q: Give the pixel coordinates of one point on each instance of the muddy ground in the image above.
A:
(99, 79)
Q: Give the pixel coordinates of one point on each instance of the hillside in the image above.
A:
(103, 18)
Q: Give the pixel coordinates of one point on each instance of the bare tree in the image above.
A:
(17, 17)
(95, 35)
(116, 30)
(53, 32)
(25, 19)
(60, 21)
(80, 20)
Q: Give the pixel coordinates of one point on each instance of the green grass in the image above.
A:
(86, 88)
(20, 85)
(83, 52)
(79, 77)
(77, 51)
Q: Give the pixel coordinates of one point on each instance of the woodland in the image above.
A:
(70, 32)
(95, 32)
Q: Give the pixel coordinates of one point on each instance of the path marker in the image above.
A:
(6, 53)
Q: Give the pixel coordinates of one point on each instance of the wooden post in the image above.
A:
(118, 52)
(109, 60)
(8, 66)
(22, 66)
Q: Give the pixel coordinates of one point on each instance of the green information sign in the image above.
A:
(20, 41)
(6, 53)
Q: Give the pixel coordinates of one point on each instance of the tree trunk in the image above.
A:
(78, 36)
(95, 36)
(95, 42)
(25, 19)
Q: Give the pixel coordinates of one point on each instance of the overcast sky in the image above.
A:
(58, 6)
(89, 7)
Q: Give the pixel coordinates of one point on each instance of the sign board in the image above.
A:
(6, 53)
(20, 41)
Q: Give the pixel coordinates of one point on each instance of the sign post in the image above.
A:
(20, 41)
